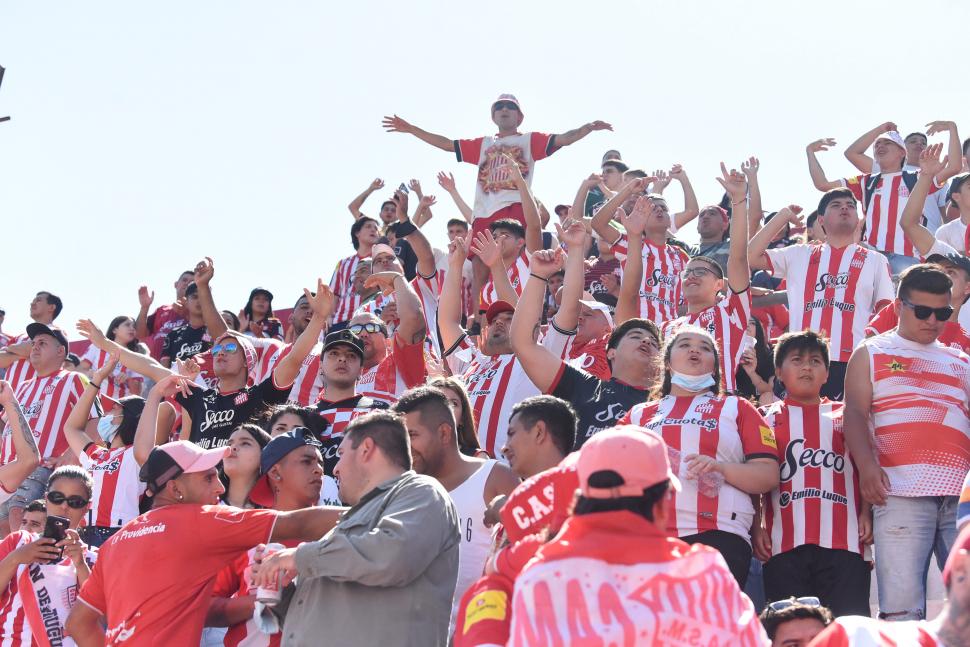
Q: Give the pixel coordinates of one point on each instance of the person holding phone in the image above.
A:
(40, 574)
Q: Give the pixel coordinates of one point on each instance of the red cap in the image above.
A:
(638, 455)
(960, 549)
(497, 308)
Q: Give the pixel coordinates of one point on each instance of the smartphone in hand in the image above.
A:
(56, 529)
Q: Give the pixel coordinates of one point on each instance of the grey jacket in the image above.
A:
(384, 576)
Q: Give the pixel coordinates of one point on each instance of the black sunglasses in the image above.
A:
(370, 327)
(923, 312)
(73, 501)
(506, 105)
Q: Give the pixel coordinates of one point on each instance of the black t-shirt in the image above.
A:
(186, 341)
(599, 403)
(409, 260)
(215, 415)
(338, 415)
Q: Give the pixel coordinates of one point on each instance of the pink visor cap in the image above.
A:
(637, 455)
(171, 460)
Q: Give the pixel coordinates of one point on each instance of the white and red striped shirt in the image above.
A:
(727, 321)
(428, 290)
(117, 488)
(495, 383)
(518, 273)
(591, 356)
(20, 370)
(342, 284)
(726, 428)
(613, 578)
(402, 369)
(308, 384)
(47, 402)
(660, 294)
(833, 291)
(818, 500)
(920, 396)
(884, 215)
(112, 386)
(859, 631)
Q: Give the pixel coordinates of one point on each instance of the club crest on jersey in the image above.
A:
(242, 398)
(704, 408)
(896, 366)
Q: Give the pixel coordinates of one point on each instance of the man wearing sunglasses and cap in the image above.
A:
(15, 356)
(189, 540)
(907, 397)
(613, 565)
(212, 413)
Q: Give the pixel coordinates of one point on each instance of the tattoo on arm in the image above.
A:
(419, 335)
(27, 431)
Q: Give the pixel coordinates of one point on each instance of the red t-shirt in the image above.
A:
(186, 546)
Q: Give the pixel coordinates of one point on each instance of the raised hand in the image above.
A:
(400, 199)
(935, 127)
(663, 179)
(511, 167)
(323, 301)
(415, 186)
(204, 271)
(105, 371)
(599, 125)
(384, 281)
(793, 214)
(635, 222)
(733, 182)
(487, 248)
(594, 180)
(750, 168)
(91, 332)
(243, 319)
(175, 383)
(820, 145)
(395, 124)
(888, 126)
(377, 184)
(458, 250)
(573, 233)
(145, 298)
(427, 201)
(929, 160)
(678, 173)
(447, 181)
(546, 262)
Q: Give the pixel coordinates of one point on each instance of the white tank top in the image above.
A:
(476, 539)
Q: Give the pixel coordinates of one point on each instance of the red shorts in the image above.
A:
(511, 212)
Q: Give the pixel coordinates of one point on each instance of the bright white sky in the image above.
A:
(145, 137)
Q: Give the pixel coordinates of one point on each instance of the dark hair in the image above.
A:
(308, 417)
(133, 345)
(805, 341)
(458, 221)
(467, 431)
(249, 304)
(712, 262)
(258, 433)
(918, 134)
(388, 202)
(924, 277)
(432, 407)
(559, 416)
(387, 430)
(560, 273)
(233, 318)
(357, 226)
(832, 194)
(810, 221)
(635, 323)
(617, 164)
(966, 146)
(189, 272)
(634, 173)
(664, 387)
(128, 426)
(514, 227)
(53, 300)
(763, 364)
(37, 505)
(72, 472)
(771, 619)
(640, 505)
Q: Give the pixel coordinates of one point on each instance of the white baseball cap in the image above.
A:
(600, 306)
(892, 136)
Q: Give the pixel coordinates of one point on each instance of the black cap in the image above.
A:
(191, 288)
(73, 359)
(955, 184)
(957, 260)
(346, 338)
(263, 291)
(35, 329)
(130, 404)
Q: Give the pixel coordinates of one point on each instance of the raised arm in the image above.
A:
(538, 362)
(873, 481)
(738, 273)
(449, 304)
(395, 124)
(322, 304)
(411, 326)
(145, 299)
(856, 152)
(487, 249)
(954, 153)
(821, 182)
(628, 302)
(214, 323)
(149, 433)
(691, 209)
(574, 135)
(131, 360)
(409, 231)
(930, 167)
(13, 352)
(750, 170)
(530, 210)
(77, 438)
(447, 183)
(759, 244)
(25, 447)
(602, 218)
(358, 202)
(573, 233)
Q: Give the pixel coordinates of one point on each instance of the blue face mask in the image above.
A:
(692, 383)
(107, 428)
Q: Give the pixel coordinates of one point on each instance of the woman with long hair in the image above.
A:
(121, 382)
(719, 445)
(241, 466)
(257, 319)
(454, 390)
(755, 378)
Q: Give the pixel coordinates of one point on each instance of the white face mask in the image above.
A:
(692, 383)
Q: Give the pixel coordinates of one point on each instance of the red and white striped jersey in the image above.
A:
(613, 578)
(726, 428)
(342, 284)
(859, 631)
(518, 273)
(308, 384)
(114, 386)
(495, 383)
(338, 415)
(660, 294)
(428, 291)
(818, 500)
(833, 291)
(954, 335)
(47, 402)
(920, 396)
(402, 369)
(20, 370)
(727, 321)
(591, 356)
(884, 215)
(117, 488)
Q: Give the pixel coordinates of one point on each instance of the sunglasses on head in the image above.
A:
(923, 312)
(505, 105)
(781, 605)
(370, 327)
(73, 501)
(228, 347)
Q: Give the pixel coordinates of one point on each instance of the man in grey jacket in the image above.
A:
(385, 575)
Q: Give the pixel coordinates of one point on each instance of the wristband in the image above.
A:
(533, 274)
(734, 204)
(97, 386)
(405, 228)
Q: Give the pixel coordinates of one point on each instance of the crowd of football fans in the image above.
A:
(569, 427)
